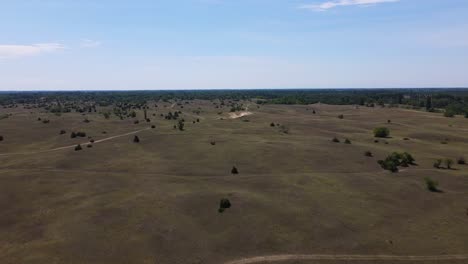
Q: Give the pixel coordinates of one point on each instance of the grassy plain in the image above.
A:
(297, 192)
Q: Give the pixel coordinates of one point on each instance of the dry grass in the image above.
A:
(156, 201)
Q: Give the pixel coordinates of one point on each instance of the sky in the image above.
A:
(232, 44)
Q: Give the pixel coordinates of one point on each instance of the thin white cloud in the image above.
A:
(88, 43)
(13, 51)
(332, 4)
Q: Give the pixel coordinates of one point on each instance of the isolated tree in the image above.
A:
(347, 141)
(73, 135)
(431, 185)
(429, 103)
(136, 139)
(336, 140)
(1, 138)
(234, 170)
(368, 154)
(461, 161)
(272, 124)
(78, 147)
(224, 204)
(341, 116)
(381, 132)
(437, 163)
(448, 163)
(181, 125)
(153, 126)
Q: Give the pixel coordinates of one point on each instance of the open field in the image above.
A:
(297, 192)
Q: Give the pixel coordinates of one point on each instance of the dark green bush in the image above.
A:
(381, 132)
(431, 184)
(224, 204)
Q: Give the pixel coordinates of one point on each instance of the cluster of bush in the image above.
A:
(336, 140)
(77, 134)
(448, 163)
(395, 160)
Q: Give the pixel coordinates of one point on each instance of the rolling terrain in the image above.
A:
(297, 192)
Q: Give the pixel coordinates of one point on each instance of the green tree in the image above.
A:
(381, 132)
(431, 185)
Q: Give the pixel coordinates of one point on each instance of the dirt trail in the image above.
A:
(74, 145)
(240, 114)
(276, 258)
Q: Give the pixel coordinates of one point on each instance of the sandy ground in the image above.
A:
(239, 114)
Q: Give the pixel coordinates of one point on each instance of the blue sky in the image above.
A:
(192, 44)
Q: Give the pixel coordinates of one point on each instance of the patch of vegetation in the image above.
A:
(368, 154)
(461, 161)
(431, 185)
(395, 160)
(136, 139)
(381, 132)
(223, 205)
(335, 140)
(234, 170)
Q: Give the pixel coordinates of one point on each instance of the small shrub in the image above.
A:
(136, 122)
(336, 140)
(341, 116)
(376, 141)
(272, 124)
(213, 143)
(347, 141)
(461, 161)
(368, 154)
(234, 170)
(448, 163)
(437, 163)
(136, 139)
(406, 138)
(89, 145)
(431, 184)
(73, 135)
(1, 138)
(223, 205)
(62, 132)
(153, 126)
(389, 121)
(381, 132)
(78, 147)
(449, 113)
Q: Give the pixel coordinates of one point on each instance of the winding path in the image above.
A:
(276, 258)
(74, 145)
